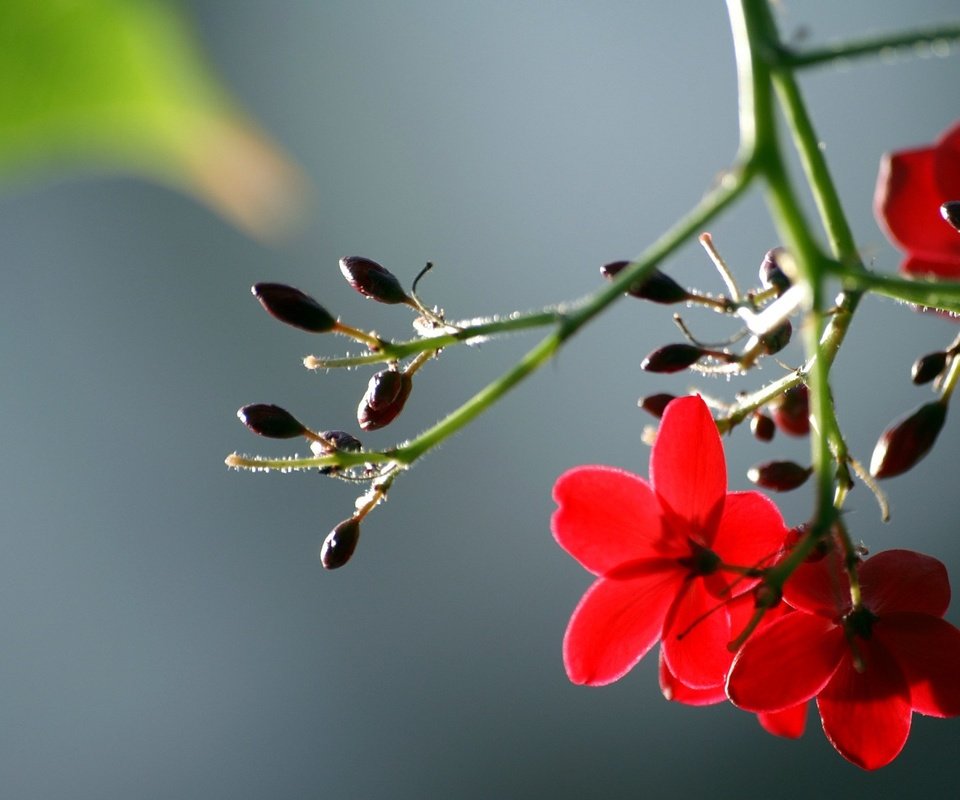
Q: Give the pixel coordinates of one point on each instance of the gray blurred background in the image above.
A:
(167, 631)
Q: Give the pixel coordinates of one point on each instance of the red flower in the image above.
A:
(869, 667)
(657, 548)
(789, 723)
(911, 187)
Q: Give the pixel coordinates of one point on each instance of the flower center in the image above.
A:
(859, 622)
(701, 561)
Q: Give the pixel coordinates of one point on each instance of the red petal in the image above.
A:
(789, 723)
(927, 650)
(907, 204)
(606, 517)
(681, 693)
(695, 637)
(687, 469)
(866, 715)
(902, 580)
(616, 623)
(946, 164)
(751, 532)
(786, 663)
(820, 587)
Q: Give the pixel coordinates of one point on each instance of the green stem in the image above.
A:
(950, 380)
(815, 167)
(788, 58)
(942, 295)
(711, 205)
(755, 43)
(397, 351)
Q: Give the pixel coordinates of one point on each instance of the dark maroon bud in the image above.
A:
(762, 427)
(792, 411)
(293, 307)
(928, 367)
(341, 440)
(779, 476)
(656, 287)
(271, 421)
(771, 274)
(340, 544)
(656, 404)
(950, 211)
(773, 341)
(383, 401)
(672, 358)
(372, 280)
(908, 440)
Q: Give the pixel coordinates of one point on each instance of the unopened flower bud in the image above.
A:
(383, 401)
(908, 440)
(340, 543)
(928, 367)
(271, 421)
(774, 340)
(672, 358)
(341, 440)
(779, 476)
(656, 404)
(293, 307)
(772, 275)
(792, 411)
(656, 287)
(762, 427)
(950, 211)
(372, 280)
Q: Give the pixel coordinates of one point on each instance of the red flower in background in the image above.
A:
(911, 187)
(870, 667)
(656, 548)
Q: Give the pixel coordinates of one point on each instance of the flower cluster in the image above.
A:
(740, 607)
(675, 561)
(385, 397)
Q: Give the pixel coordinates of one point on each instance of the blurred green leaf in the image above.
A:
(120, 85)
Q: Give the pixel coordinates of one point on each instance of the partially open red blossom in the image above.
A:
(911, 188)
(869, 667)
(657, 550)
